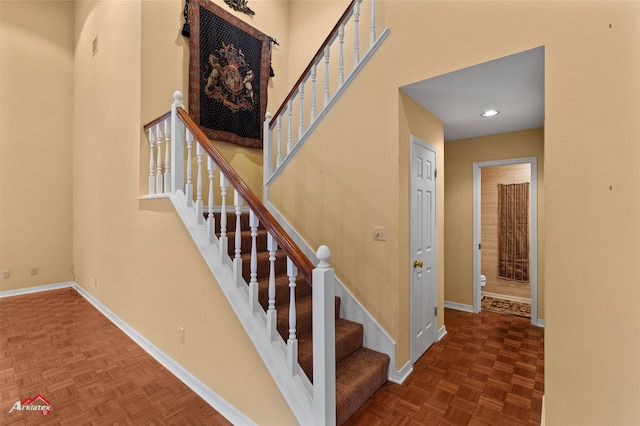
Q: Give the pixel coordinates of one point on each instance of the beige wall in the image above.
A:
(310, 22)
(134, 255)
(36, 92)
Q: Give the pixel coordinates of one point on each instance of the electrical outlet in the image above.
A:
(181, 329)
(34, 271)
(6, 273)
(379, 233)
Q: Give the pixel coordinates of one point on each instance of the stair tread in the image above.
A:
(357, 378)
(349, 338)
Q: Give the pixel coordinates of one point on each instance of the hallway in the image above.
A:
(487, 370)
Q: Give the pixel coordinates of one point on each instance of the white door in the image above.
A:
(424, 276)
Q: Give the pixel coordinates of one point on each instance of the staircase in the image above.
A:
(359, 371)
(270, 281)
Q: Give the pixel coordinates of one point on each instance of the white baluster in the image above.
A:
(324, 353)
(253, 283)
(341, 54)
(356, 35)
(178, 131)
(289, 126)
(188, 187)
(224, 242)
(167, 157)
(314, 72)
(279, 124)
(272, 317)
(199, 202)
(211, 219)
(159, 189)
(292, 342)
(301, 125)
(237, 259)
(152, 162)
(326, 76)
(372, 29)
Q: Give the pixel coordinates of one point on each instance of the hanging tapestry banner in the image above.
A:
(513, 231)
(228, 75)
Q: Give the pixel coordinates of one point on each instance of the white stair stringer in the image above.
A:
(296, 390)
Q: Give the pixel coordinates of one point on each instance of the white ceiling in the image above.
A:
(513, 85)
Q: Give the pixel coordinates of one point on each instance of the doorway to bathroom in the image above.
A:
(507, 274)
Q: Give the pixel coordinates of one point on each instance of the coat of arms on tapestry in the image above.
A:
(228, 75)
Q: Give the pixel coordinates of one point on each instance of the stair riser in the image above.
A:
(263, 265)
(349, 338)
(282, 291)
(231, 220)
(245, 242)
(304, 318)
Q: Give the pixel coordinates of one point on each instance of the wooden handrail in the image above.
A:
(320, 51)
(305, 267)
(157, 120)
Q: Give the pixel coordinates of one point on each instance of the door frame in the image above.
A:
(434, 290)
(533, 241)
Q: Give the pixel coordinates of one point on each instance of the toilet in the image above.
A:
(483, 280)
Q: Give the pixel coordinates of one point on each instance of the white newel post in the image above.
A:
(177, 147)
(324, 351)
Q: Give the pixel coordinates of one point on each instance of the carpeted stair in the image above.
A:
(359, 371)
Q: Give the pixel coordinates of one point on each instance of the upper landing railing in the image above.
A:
(171, 146)
(285, 132)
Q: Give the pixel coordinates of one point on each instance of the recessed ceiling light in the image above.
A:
(490, 113)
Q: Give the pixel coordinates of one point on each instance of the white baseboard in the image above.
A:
(540, 322)
(441, 333)
(458, 306)
(30, 290)
(401, 375)
(212, 398)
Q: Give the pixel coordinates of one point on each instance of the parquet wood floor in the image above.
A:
(488, 370)
(57, 345)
